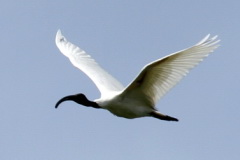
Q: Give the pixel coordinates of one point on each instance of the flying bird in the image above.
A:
(139, 98)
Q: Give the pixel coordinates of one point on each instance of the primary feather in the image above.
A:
(160, 76)
(80, 59)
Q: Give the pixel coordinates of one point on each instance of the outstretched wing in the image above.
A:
(80, 59)
(160, 76)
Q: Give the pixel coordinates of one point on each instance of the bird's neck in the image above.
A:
(92, 104)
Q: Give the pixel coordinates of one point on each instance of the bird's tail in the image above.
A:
(161, 116)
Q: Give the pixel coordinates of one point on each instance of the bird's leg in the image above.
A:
(162, 116)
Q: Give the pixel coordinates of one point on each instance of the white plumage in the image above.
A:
(139, 98)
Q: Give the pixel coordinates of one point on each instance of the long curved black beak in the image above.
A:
(67, 98)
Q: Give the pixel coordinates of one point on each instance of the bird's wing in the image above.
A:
(160, 76)
(80, 59)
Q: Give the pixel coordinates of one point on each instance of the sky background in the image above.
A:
(123, 36)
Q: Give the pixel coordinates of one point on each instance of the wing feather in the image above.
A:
(80, 59)
(158, 77)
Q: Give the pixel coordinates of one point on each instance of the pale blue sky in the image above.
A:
(123, 36)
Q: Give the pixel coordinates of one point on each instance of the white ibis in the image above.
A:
(139, 98)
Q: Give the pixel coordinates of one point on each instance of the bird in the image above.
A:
(139, 98)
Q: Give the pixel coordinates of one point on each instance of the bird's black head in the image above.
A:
(78, 98)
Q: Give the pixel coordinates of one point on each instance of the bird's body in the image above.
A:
(139, 98)
(125, 106)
